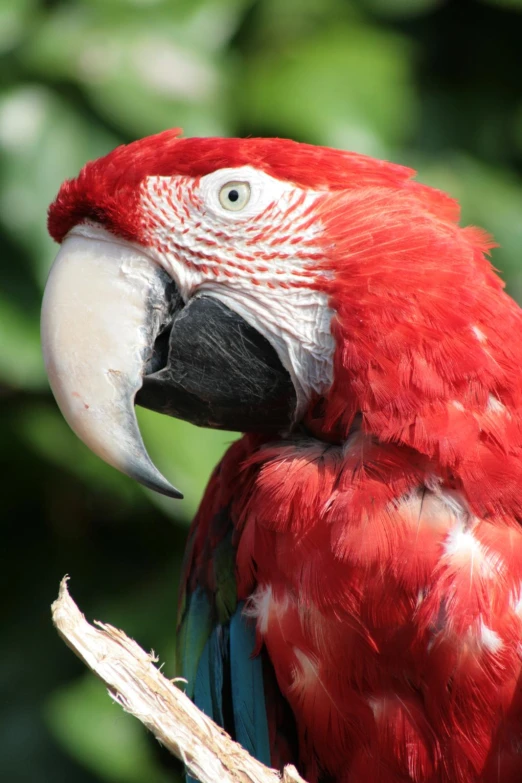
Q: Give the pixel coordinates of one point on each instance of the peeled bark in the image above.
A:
(134, 682)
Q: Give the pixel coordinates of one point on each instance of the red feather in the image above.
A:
(106, 190)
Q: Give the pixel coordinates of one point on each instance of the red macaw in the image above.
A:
(352, 595)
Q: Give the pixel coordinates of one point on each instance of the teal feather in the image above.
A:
(248, 695)
(193, 635)
(215, 647)
(208, 687)
(208, 690)
(196, 647)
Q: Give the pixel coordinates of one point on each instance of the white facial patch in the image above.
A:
(260, 259)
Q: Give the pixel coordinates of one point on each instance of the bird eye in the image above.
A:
(234, 196)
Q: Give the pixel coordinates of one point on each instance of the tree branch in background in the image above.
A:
(141, 689)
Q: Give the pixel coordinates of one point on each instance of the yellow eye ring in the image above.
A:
(234, 196)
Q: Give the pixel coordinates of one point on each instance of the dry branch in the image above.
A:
(141, 689)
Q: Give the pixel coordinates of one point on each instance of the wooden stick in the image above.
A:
(134, 682)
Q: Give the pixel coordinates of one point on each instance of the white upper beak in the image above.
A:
(103, 307)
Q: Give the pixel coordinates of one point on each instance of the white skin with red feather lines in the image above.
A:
(258, 259)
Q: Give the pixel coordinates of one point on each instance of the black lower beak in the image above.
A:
(218, 371)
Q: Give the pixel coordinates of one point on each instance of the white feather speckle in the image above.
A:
(262, 604)
(495, 406)
(306, 672)
(489, 638)
(479, 334)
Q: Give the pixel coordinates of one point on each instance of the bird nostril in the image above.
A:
(164, 311)
(160, 352)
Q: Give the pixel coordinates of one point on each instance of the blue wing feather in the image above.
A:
(248, 694)
(208, 690)
(193, 635)
(215, 642)
(226, 656)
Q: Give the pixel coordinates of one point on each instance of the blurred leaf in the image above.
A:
(145, 72)
(185, 454)
(42, 142)
(490, 198)
(101, 735)
(517, 125)
(21, 363)
(276, 25)
(15, 17)
(516, 4)
(400, 8)
(345, 87)
(45, 430)
(148, 610)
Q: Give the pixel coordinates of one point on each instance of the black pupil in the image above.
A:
(233, 195)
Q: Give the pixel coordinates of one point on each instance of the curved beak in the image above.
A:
(104, 305)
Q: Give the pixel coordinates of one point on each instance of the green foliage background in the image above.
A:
(434, 84)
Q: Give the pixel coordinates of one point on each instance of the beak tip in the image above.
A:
(144, 471)
(176, 494)
(162, 487)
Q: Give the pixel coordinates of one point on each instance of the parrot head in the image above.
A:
(257, 285)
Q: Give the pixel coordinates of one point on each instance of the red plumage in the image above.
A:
(379, 547)
(106, 189)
